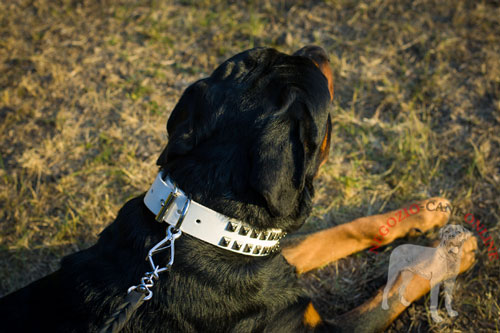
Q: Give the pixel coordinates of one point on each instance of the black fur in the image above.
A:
(245, 142)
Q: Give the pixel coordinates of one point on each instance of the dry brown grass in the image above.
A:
(86, 88)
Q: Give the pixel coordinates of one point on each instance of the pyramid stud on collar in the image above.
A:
(236, 246)
(257, 249)
(231, 226)
(244, 230)
(224, 241)
(248, 248)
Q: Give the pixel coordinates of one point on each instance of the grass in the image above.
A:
(86, 88)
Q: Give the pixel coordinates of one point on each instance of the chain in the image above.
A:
(147, 281)
(136, 295)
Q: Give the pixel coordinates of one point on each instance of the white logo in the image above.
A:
(434, 264)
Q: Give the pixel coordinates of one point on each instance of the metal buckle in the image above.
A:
(165, 205)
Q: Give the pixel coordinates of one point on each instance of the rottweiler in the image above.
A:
(236, 176)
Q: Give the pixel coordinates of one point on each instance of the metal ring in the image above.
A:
(183, 214)
(149, 295)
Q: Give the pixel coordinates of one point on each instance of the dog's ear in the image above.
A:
(181, 124)
(281, 158)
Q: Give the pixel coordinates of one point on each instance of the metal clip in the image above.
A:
(172, 235)
(166, 243)
(148, 280)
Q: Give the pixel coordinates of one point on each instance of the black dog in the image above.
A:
(246, 142)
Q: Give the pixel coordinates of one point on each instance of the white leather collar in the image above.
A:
(206, 224)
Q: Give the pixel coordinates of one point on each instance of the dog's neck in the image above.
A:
(171, 205)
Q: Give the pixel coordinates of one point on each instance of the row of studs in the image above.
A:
(264, 235)
(225, 241)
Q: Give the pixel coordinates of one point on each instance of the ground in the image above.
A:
(86, 88)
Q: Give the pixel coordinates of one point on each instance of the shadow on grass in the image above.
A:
(20, 267)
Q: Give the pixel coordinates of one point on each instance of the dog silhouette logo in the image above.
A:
(438, 265)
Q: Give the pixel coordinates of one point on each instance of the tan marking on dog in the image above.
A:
(311, 316)
(325, 68)
(325, 145)
(325, 246)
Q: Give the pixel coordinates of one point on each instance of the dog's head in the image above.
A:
(248, 140)
(453, 236)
